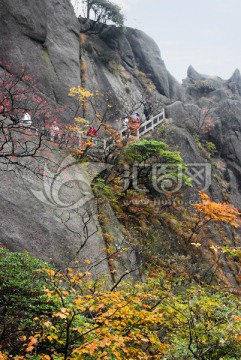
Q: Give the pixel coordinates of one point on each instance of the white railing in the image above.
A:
(79, 140)
(148, 125)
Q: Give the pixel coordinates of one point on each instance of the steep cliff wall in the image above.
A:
(129, 64)
(44, 38)
(50, 42)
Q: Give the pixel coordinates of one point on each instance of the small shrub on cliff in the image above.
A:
(211, 147)
(152, 163)
(201, 87)
(107, 56)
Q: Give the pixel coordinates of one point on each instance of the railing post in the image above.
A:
(80, 140)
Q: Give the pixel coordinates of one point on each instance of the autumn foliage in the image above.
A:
(81, 317)
(210, 210)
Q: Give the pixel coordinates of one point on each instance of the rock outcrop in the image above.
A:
(148, 59)
(44, 38)
(128, 64)
(234, 83)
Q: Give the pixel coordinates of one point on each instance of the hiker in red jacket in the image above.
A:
(92, 131)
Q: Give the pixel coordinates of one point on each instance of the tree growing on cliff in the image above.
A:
(20, 145)
(210, 211)
(101, 11)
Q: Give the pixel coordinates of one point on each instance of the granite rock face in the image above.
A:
(54, 218)
(213, 111)
(148, 60)
(42, 36)
(234, 83)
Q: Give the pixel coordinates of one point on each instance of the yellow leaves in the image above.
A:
(50, 272)
(52, 337)
(197, 245)
(214, 248)
(3, 356)
(60, 315)
(125, 249)
(145, 340)
(81, 121)
(115, 323)
(80, 92)
(46, 357)
(88, 262)
(92, 348)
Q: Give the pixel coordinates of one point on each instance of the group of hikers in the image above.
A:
(130, 125)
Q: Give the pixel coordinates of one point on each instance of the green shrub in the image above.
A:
(88, 47)
(107, 56)
(22, 279)
(211, 148)
(148, 153)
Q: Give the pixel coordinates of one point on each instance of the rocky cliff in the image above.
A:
(44, 38)
(53, 46)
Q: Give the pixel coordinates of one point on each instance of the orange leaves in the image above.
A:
(62, 314)
(3, 356)
(211, 210)
(33, 341)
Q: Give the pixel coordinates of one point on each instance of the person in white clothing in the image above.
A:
(54, 132)
(26, 119)
(125, 127)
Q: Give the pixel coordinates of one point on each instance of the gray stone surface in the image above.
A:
(50, 218)
(234, 83)
(176, 112)
(148, 59)
(42, 36)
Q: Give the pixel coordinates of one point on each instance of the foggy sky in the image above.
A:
(205, 34)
